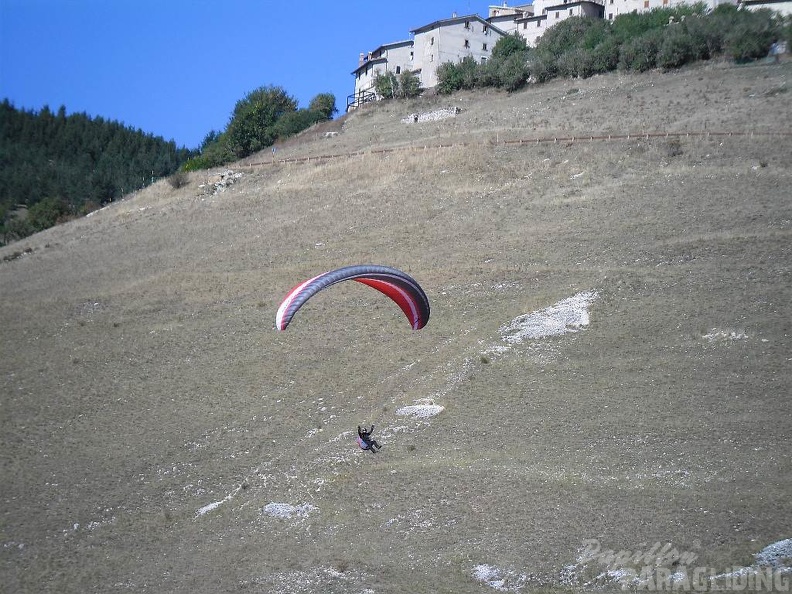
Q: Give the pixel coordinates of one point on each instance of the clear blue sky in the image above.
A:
(176, 68)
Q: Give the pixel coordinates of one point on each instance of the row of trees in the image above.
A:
(662, 38)
(54, 166)
(263, 117)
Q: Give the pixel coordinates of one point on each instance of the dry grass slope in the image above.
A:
(151, 415)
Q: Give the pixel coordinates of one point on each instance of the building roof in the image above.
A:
(457, 20)
(368, 63)
(379, 60)
(393, 44)
(571, 4)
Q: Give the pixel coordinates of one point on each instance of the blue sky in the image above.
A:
(176, 68)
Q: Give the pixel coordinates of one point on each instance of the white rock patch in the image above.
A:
(287, 511)
(777, 555)
(717, 335)
(568, 315)
(499, 579)
(422, 410)
(431, 116)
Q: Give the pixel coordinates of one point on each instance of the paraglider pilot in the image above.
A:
(367, 442)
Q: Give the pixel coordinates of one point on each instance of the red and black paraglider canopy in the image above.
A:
(399, 286)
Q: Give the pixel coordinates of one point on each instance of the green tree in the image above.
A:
(508, 45)
(449, 78)
(409, 85)
(468, 70)
(295, 122)
(386, 85)
(252, 125)
(46, 213)
(324, 105)
(752, 35)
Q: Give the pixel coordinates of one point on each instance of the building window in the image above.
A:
(431, 41)
(398, 69)
(467, 24)
(485, 29)
(484, 47)
(646, 3)
(538, 23)
(558, 15)
(412, 56)
(570, 12)
(467, 43)
(483, 60)
(610, 16)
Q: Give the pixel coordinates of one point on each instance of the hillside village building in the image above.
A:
(448, 40)
(452, 40)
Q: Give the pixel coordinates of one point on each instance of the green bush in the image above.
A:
(605, 56)
(449, 78)
(47, 213)
(390, 86)
(564, 36)
(675, 48)
(386, 85)
(295, 122)
(752, 35)
(640, 54)
(409, 84)
(542, 66)
(324, 106)
(706, 39)
(508, 45)
(513, 72)
(468, 72)
(252, 125)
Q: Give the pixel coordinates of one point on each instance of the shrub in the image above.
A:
(47, 213)
(409, 84)
(564, 36)
(252, 125)
(640, 53)
(386, 85)
(468, 73)
(513, 72)
(178, 180)
(295, 122)
(605, 56)
(449, 78)
(508, 45)
(542, 66)
(752, 35)
(324, 106)
(488, 75)
(706, 40)
(390, 86)
(675, 48)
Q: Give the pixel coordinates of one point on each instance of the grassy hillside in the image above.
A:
(158, 435)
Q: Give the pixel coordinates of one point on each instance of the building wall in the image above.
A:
(614, 8)
(784, 7)
(452, 42)
(394, 58)
(365, 75)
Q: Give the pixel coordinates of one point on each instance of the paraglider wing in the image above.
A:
(394, 283)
